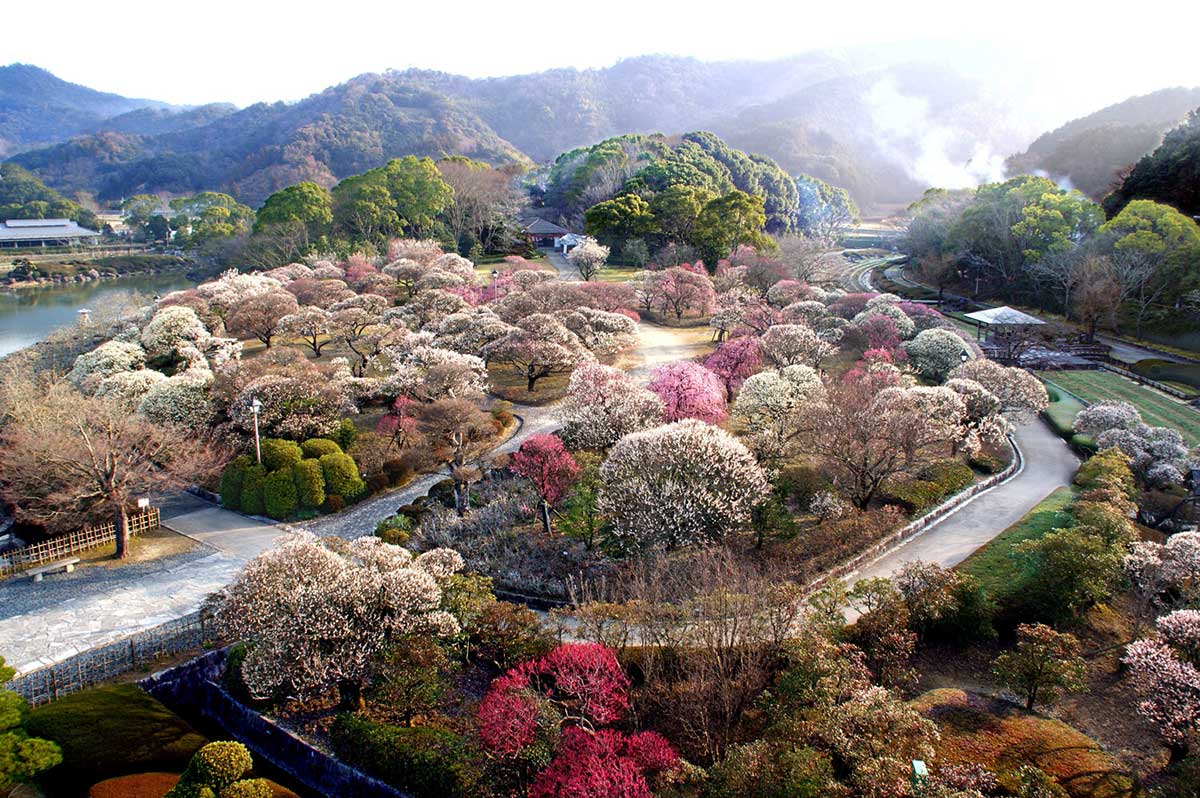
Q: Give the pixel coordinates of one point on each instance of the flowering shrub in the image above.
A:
(603, 404)
(128, 387)
(111, 357)
(827, 506)
(936, 352)
(604, 764)
(689, 390)
(173, 330)
(292, 407)
(679, 484)
(181, 401)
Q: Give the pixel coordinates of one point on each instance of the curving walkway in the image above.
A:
(1049, 464)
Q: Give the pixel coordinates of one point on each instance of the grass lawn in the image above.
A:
(1157, 409)
(1062, 410)
(993, 566)
(113, 731)
(509, 385)
(1001, 737)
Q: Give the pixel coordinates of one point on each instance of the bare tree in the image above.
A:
(457, 433)
(73, 457)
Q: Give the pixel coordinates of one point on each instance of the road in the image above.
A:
(1049, 464)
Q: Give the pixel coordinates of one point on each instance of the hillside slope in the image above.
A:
(1092, 151)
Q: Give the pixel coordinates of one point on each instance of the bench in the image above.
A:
(66, 566)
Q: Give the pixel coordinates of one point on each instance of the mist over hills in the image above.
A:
(883, 124)
(1090, 153)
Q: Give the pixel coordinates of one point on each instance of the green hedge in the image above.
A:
(253, 500)
(341, 475)
(936, 482)
(428, 762)
(319, 447)
(278, 454)
(345, 434)
(232, 480)
(310, 483)
(279, 494)
(111, 731)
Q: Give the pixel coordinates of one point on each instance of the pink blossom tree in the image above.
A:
(684, 292)
(689, 390)
(545, 462)
(733, 362)
(604, 764)
(1169, 689)
(603, 404)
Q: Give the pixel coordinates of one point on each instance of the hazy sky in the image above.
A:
(253, 50)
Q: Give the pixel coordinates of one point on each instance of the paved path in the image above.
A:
(1049, 464)
(82, 618)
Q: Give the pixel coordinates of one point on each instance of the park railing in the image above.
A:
(18, 560)
(102, 663)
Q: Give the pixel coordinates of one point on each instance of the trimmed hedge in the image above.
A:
(279, 494)
(318, 447)
(428, 762)
(232, 480)
(937, 481)
(341, 475)
(111, 731)
(394, 529)
(278, 454)
(310, 483)
(253, 499)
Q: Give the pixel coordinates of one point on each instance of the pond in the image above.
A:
(28, 315)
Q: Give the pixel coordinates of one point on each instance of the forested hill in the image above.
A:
(37, 108)
(884, 130)
(1170, 175)
(1092, 151)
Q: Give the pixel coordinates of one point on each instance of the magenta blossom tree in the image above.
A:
(734, 361)
(545, 462)
(689, 390)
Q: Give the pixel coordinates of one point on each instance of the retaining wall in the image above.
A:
(194, 690)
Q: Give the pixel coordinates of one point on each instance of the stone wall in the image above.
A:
(194, 690)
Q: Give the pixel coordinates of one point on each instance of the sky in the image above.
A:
(255, 50)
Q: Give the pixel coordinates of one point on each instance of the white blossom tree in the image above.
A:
(603, 404)
(588, 258)
(1021, 395)
(768, 407)
(795, 345)
(679, 484)
(318, 614)
(936, 352)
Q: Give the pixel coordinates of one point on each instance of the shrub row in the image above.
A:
(425, 761)
(292, 477)
(934, 483)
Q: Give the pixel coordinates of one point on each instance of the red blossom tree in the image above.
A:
(578, 687)
(603, 764)
(689, 390)
(544, 461)
(733, 362)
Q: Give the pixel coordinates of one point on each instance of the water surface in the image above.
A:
(28, 315)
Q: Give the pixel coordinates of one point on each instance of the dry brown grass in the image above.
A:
(1002, 737)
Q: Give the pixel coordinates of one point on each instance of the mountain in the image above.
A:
(882, 123)
(1092, 151)
(37, 108)
(1170, 174)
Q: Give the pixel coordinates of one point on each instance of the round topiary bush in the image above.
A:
(279, 494)
(278, 454)
(319, 447)
(248, 788)
(213, 768)
(341, 475)
(345, 434)
(252, 500)
(395, 529)
(232, 480)
(310, 483)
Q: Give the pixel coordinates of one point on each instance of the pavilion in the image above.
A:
(45, 233)
(1000, 321)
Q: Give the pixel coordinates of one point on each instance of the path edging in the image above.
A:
(914, 529)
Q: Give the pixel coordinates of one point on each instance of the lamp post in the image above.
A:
(964, 356)
(495, 276)
(255, 406)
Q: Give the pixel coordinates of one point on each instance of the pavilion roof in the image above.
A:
(1003, 315)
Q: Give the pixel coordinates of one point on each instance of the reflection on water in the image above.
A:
(29, 315)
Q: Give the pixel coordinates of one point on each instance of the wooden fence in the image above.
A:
(96, 665)
(92, 537)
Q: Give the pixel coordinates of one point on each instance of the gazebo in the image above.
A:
(1000, 321)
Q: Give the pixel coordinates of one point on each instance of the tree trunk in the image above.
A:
(532, 381)
(350, 695)
(545, 512)
(1178, 753)
(121, 527)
